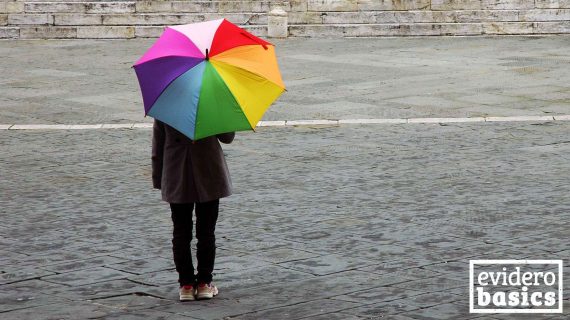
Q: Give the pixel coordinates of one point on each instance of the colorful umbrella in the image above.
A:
(208, 78)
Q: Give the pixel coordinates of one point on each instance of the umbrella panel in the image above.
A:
(229, 36)
(171, 43)
(203, 98)
(254, 58)
(154, 76)
(201, 33)
(253, 93)
(218, 110)
(178, 103)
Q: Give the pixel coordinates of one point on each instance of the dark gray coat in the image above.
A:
(189, 171)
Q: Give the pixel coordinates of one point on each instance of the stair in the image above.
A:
(38, 19)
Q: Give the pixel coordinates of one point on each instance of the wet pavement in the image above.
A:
(374, 221)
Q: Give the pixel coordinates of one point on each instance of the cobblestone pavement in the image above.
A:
(327, 222)
(343, 222)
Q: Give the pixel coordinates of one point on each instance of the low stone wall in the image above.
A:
(39, 19)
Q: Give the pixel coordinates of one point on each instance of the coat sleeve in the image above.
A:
(226, 137)
(158, 136)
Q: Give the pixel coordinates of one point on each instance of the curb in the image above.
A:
(289, 123)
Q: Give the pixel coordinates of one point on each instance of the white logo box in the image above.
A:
(472, 264)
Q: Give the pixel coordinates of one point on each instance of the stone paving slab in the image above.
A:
(299, 311)
(10, 301)
(146, 315)
(391, 309)
(285, 255)
(382, 294)
(86, 276)
(334, 316)
(75, 310)
(143, 266)
(258, 277)
(11, 275)
(101, 290)
(83, 264)
(132, 302)
(326, 264)
(443, 312)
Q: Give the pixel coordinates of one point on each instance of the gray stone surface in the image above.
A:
(352, 222)
(358, 177)
(86, 276)
(326, 79)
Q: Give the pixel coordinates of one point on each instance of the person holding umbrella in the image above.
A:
(191, 175)
(202, 82)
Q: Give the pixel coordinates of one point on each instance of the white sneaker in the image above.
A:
(206, 291)
(187, 293)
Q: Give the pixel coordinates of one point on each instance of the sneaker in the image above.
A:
(206, 291)
(187, 293)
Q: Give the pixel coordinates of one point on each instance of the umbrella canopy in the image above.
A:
(209, 78)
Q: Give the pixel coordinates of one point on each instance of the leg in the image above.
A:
(181, 237)
(206, 218)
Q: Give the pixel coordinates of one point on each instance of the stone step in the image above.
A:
(95, 32)
(441, 5)
(29, 19)
(431, 16)
(325, 18)
(429, 29)
(301, 30)
(467, 16)
(115, 6)
(152, 19)
(82, 6)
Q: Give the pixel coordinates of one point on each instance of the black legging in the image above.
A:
(206, 217)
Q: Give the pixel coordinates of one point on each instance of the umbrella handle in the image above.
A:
(256, 40)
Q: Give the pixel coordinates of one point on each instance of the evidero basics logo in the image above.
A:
(515, 286)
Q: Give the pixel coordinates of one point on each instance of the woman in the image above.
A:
(191, 174)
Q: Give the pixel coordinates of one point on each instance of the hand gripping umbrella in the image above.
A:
(209, 78)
